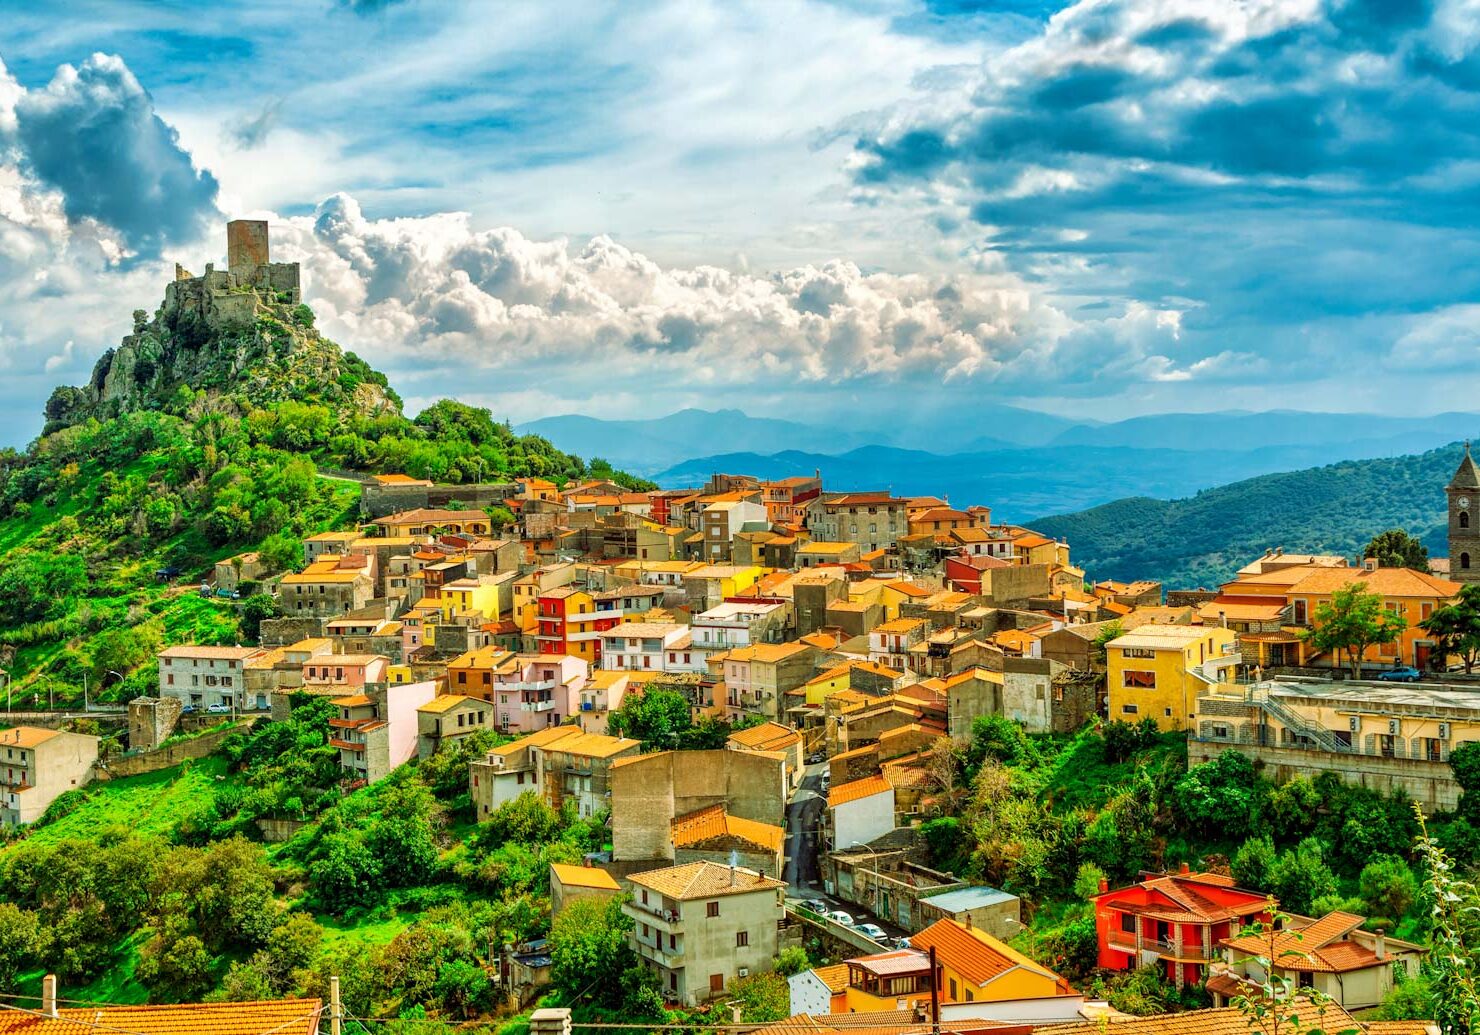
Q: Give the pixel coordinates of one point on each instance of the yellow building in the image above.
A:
(1157, 671)
(471, 594)
(471, 673)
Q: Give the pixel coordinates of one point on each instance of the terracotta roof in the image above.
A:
(279, 1016)
(445, 703)
(1390, 582)
(973, 953)
(768, 736)
(834, 977)
(843, 793)
(25, 736)
(1228, 1020)
(1320, 946)
(424, 515)
(189, 650)
(715, 821)
(1184, 899)
(888, 964)
(704, 879)
(584, 877)
(354, 701)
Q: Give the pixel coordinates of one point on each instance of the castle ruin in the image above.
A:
(227, 298)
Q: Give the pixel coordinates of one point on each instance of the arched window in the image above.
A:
(1464, 519)
(1464, 560)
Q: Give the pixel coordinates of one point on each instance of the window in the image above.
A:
(1128, 709)
(954, 995)
(742, 939)
(711, 909)
(1137, 680)
(1128, 923)
(1464, 519)
(1464, 561)
(1137, 652)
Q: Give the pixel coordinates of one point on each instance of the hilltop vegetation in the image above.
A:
(190, 444)
(1203, 539)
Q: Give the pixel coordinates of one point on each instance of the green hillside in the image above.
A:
(195, 440)
(1203, 539)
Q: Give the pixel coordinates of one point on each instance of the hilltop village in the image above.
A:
(824, 734)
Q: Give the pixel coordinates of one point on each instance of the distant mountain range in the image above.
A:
(1201, 540)
(684, 442)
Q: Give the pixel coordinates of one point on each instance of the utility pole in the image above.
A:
(336, 1010)
(934, 995)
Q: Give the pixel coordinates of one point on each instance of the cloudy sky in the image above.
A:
(796, 208)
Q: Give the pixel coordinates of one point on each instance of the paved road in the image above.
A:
(803, 820)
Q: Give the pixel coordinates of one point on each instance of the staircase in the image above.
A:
(1295, 724)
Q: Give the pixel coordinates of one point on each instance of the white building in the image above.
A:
(737, 623)
(861, 810)
(648, 647)
(202, 677)
(37, 765)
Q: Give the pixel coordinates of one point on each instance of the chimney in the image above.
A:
(49, 995)
(1379, 948)
(550, 1021)
(1184, 868)
(1104, 885)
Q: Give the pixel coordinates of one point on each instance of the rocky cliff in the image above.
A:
(240, 340)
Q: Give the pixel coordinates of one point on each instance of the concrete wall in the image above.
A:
(1431, 784)
(647, 792)
(859, 822)
(1015, 585)
(172, 754)
(401, 703)
(1027, 693)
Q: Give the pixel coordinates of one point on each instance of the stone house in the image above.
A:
(445, 720)
(569, 882)
(200, 677)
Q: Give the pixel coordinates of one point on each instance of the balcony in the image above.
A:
(654, 914)
(346, 745)
(662, 957)
(537, 706)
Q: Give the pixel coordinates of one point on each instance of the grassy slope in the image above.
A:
(1202, 539)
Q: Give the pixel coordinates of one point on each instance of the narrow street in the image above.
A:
(803, 819)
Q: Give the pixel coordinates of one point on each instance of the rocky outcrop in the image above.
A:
(241, 337)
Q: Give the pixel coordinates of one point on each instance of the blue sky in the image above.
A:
(1100, 208)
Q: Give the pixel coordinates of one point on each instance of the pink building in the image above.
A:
(344, 671)
(377, 731)
(533, 691)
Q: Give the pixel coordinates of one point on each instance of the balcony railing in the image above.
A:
(536, 706)
(346, 745)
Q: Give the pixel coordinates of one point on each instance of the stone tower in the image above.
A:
(1464, 521)
(246, 243)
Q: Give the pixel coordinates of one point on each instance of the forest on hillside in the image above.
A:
(1203, 539)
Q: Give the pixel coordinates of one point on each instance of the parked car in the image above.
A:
(1401, 674)
(873, 931)
(816, 756)
(902, 942)
(837, 916)
(219, 709)
(187, 709)
(816, 905)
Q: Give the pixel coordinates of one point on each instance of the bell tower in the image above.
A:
(1464, 520)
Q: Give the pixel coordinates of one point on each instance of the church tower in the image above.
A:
(1464, 521)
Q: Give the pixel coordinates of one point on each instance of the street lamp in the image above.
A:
(874, 858)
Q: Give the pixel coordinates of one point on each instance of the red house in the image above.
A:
(1178, 919)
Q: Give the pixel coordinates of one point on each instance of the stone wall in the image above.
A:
(280, 632)
(173, 754)
(647, 792)
(1431, 784)
(151, 720)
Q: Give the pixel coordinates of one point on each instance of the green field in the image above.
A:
(148, 804)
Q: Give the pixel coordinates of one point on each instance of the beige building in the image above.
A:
(650, 791)
(445, 720)
(559, 763)
(202, 678)
(757, 677)
(702, 925)
(1387, 737)
(36, 765)
(1332, 955)
(376, 731)
(873, 520)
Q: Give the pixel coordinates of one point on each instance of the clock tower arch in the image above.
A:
(1464, 520)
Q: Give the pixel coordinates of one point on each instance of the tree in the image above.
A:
(175, 967)
(792, 960)
(1124, 740)
(762, 998)
(256, 609)
(998, 738)
(589, 952)
(1253, 864)
(1388, 887)
(1223, 793)
(1457, 627)
(1395, 548)
(1464, 763)
(403, 838)
(1301, 875)
(659, 717)
(1087, 881)
(20, 941)
(1350, 622)
(1111, 631)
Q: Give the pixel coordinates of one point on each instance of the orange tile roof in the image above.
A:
(1390, 582)
(767, 736)
(973, 953)
(834, 977)
(279, 1016)
(714, 821)
(704, 879)
(1320, 946)
(584, 877)
(843, 793)
(25, 736)
(1228, 1020)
